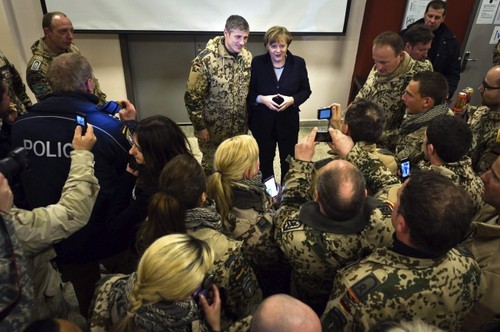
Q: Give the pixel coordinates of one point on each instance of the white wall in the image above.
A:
(330, 59)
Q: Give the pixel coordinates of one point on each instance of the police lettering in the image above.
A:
(48, 149)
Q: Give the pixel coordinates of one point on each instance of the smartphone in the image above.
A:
(206, 289)
(324, 113)
(271, 187)
(323, 136)
(278, 100)
(81, 120)
(405, 168)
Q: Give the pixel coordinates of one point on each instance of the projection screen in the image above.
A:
(298, 16)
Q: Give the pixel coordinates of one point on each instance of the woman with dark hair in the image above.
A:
(155, 141)
(180, 206)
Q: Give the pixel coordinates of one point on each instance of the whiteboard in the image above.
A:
(302, 16)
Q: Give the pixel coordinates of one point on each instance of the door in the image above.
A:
(477, 48)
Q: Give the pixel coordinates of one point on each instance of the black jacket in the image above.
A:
(444, 55)
(293, 82)
(47, 131)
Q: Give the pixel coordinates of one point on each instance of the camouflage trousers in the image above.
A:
(208, 150)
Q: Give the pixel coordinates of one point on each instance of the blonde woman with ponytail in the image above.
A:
(159, 296)
(181, 206)
(247, 211)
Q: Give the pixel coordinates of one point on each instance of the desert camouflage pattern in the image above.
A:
(410, 146)
(36, 72)
(255, 228)
(389, 286)
(17, 90)
(16, 301)
(216, 94)
(387, 94)
(485, 126)
(316, 256)
(462, 174)
(240, 291)
(484, 245)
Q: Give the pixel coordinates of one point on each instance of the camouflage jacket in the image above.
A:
(485, 126)
(16, 300)
(36, 71)
(317, 246)
(410, 144)
(462, 174)
(240, 291)
(37, 230)
(484, 246)
(217, 89)
(251, 220)
(390, 286)
(17, 90)
(387, 91)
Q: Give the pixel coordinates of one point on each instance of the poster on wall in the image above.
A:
(415, 10)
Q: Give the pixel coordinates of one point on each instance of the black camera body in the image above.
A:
(15, 162)
(324, 113)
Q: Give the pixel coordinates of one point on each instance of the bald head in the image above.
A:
(283, 313)
(341, 190)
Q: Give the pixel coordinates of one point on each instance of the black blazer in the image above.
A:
(293, 82)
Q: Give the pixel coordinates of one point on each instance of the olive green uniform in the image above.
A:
(36, 72)
(216, 94)
(317, 246)
(485, 126)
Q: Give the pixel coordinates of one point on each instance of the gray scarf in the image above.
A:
(205, 216)
(414, 122)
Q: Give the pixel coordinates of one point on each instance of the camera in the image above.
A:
(405, 168)
(324, 113)
(15, 162)
(206, 289)
(323, 136)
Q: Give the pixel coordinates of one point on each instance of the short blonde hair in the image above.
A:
(233, 157)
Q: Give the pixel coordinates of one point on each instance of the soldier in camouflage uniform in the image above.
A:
(17, 91)
(58, 39)
(217, 88)
(385, 84)
(16, 295)
(421, 275)
(425, 99)
(247, 210)
(342, 224)
(485, 123)
(484, 245)
(446, 143)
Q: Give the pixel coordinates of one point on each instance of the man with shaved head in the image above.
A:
(339, 223)
(283, 313)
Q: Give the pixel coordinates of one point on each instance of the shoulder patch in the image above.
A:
(362, 288)
(36, 65)
(291, 225)
(203, 53)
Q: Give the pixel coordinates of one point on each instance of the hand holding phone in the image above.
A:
(405, 168)
(271, 187)
(81, 120)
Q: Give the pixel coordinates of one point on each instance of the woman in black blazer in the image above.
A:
(278, 86)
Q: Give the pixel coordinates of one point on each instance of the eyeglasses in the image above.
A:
(486, 86)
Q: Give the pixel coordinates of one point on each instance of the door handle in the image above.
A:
(465, 60)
